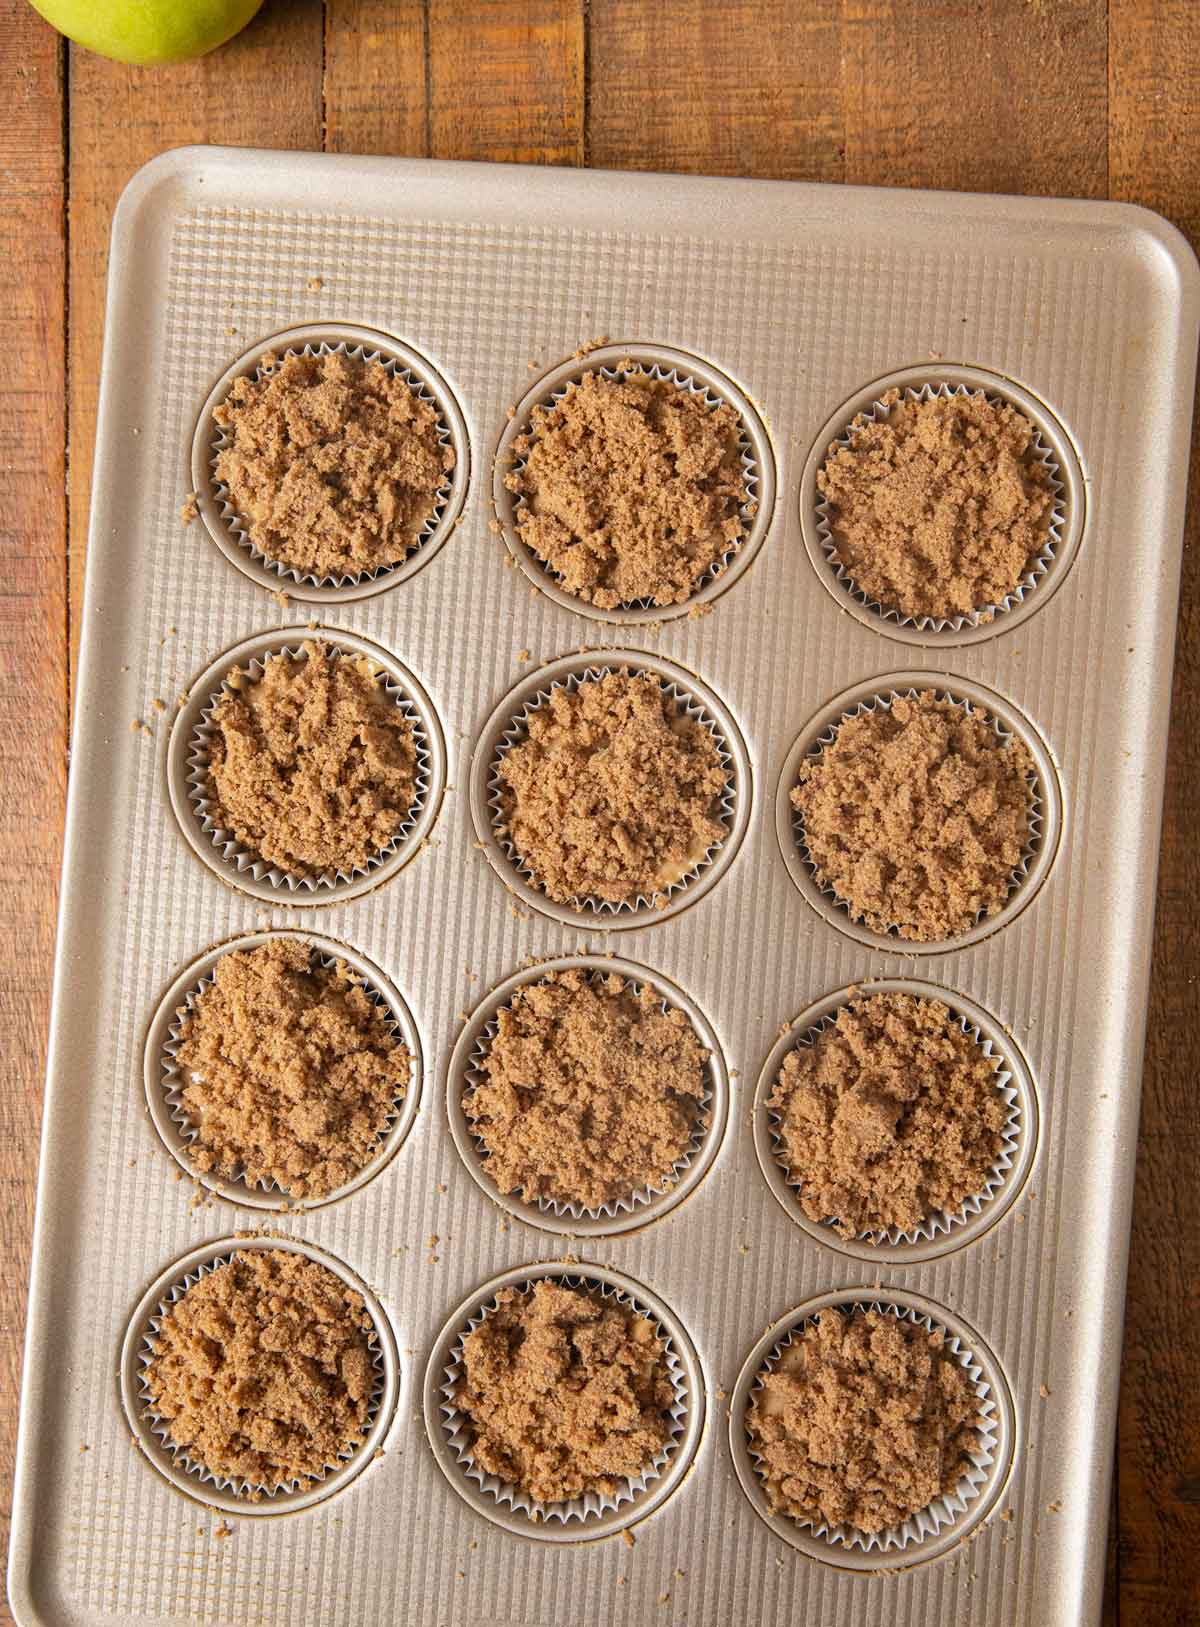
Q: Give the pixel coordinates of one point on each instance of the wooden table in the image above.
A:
(1082, 98)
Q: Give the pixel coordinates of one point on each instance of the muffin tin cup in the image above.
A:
(189, 1476)
(164, 1082)
(215, 502)
(945, 1230)
(595, 1515)
(944, 1523)
(187, 772)
(1053, 446)
(1046, 814)
(619, 1215)
(698, 378)
(506, 727)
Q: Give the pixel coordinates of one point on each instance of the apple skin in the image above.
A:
(148, 31)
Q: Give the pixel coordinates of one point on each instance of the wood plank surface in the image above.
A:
(33, 642)
(1154, 159)
(1070, 97)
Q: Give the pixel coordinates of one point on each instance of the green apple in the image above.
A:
(146, 31)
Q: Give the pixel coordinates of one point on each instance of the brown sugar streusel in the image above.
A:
(633, 488)
(262, 1370)
(917, 815)
(567, 1392)
(590, 1091)
(312, 766)
(291, 1070)
(889, 1116)
(615, 791)
(941, 508)
(864, 1420)
(333, 464)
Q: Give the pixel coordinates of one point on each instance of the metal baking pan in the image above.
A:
(794, 301)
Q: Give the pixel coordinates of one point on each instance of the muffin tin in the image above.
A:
(801, 305)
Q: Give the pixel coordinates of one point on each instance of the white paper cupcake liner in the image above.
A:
(188, 1473)
(596, 1513)
(227, 526)
(943, 1230)
(1044, 821)
(697, 378)
(643, 1204)
(643, 904)
(236, 860)
(165, 1081)
(1052, 447)
(944, 1522)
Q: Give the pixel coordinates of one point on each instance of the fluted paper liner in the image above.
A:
(983, 615)
(883, 698)
(645, 1201)
(242, 859)
(457, 1427)
(172, 1083)
(941, 1221)
(235, 527)
(192, 1468)
(649, 904)
(951, 1509)
(712, 398)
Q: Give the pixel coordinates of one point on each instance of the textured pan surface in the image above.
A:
(802, 295)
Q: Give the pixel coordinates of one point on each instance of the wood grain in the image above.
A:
(1154, 154)
(717, 87)
(506, 80)
(33, 642)
(1074, 97)
(261, 90)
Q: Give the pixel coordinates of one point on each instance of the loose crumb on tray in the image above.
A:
(589, 1091)
(917, 815)
(632, 488)
(332, 463)
(566, 1392)
(889, 1116)
(262, 1370)
(292, 1072)
(615, 791)
(940, 508)
(312, 766)
(864, 1420)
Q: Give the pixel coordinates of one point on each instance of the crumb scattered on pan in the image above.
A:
(889, 1116)
(632, 488)
(262, 1370)
(312, 766)
(940, 508)
(566, 1392)
(589, 1091)
(864, 1420)
(332, 464)
(917, 815)
(291, 1071)
(614, 792)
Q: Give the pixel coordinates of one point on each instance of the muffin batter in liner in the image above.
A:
(954, 1508)
(983, 615)
(581, 1511)
(230, 521)
(259, 1498)
(747, 511)
(649, 904)
(640, 1199)
(235, 1186)
(942, 1221)
(232, 852)
(882, 700)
